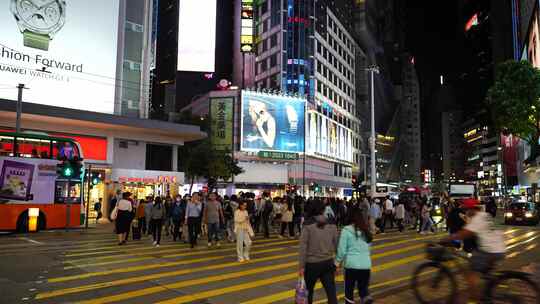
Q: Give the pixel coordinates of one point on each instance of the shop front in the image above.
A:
(143, 183)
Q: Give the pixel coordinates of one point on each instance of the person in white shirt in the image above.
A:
(388, 214)
(491, 245)
(122, 217)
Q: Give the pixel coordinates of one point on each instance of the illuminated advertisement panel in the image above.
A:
(246, 35)
(272, 122)
(197, 35)
(327, 138)
(534, 42)
(65, 52)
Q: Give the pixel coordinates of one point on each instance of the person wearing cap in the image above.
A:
(491, 246)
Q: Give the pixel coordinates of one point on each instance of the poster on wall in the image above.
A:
(65, 51)
(27, 180)
(221, 125)
(272, 122)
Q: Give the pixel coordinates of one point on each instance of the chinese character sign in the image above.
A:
(221, 129)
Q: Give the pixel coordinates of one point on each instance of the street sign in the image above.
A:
(278, 155)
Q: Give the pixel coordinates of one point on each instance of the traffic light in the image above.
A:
(317, 188)
(70, 169)
(355, 182)
(96, 179)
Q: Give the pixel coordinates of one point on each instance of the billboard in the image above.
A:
(246, 33)
(272, 122)
(197, 35)
(65, 52)
(29, 180)
(327, 138)
(221, 123)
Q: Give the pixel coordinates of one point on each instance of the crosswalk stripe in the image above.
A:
(288, 294)
(176, 263)
(160, 265)
(142, 292)
(131, 260)
(177, 251)
(273, 280)
(83, 288)
(200, 281)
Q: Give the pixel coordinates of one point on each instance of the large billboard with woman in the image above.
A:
(272, 122)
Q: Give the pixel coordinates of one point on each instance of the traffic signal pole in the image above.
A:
(20, 88)
(89, 177)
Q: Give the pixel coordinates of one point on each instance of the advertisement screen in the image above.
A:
(327, 138)
(534, 42)
(65, 52)
(272, 122)
(27, 180)
(197, 35)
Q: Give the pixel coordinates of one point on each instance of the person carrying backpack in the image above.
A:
(353, 250)
(228, 214)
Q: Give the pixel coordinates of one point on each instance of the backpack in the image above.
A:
(268, 207)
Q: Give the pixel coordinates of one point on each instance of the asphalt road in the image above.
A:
(89, 267)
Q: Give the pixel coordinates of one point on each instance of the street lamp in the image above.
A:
(372, 70)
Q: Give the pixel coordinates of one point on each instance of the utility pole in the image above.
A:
(20, 87)
(373, 70)
(89, 183)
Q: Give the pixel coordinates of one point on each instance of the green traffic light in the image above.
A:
(68, 171)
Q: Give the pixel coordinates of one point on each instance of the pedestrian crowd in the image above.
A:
(333, 233)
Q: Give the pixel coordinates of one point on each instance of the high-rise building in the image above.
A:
(453, 146)
(307, 48)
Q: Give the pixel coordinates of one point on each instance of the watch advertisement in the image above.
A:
(64, 51)
(272, 122)
(29, 180)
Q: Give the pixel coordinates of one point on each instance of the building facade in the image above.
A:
(308, 48)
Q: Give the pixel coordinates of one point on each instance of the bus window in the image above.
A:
(65, 150)
(34, 148)
(6, 146)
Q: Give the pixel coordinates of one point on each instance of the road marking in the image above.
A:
(176, 250)
(200, 281)
(159, 265)
(273, 280)
(125, 296)
(76, 265)
(30, 240)
(143, 278)
(519, 238)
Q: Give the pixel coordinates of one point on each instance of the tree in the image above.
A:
(201, 161)
(514, 101)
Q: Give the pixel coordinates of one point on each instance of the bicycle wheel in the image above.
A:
(433, 283)
(513, 287)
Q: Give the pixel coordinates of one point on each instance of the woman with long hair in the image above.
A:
(287, 213)
(353, 248)
(318, 243)
(243, 231)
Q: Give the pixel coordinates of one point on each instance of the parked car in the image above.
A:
(521, 212)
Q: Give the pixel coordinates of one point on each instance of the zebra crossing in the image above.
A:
(95, 270)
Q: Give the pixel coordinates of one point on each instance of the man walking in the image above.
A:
(213, 214)
(266, 213)
(388, 214)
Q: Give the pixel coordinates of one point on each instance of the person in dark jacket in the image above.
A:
(318, 244)
(157, 217)
(178, 214)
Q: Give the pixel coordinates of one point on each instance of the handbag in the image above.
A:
(114, 213)
(301, 296)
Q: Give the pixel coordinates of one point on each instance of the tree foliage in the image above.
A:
(514, 101)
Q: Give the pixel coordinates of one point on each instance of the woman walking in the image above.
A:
(123, 217)
(243, 231)
(318, 243)
(354, 250)
(287, 213)
(193, 218)
(157, 216)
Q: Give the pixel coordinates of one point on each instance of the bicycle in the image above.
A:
(499, 287)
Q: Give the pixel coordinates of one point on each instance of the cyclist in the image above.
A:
(490, 244)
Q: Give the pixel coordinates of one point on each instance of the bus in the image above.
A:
(29, 184)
